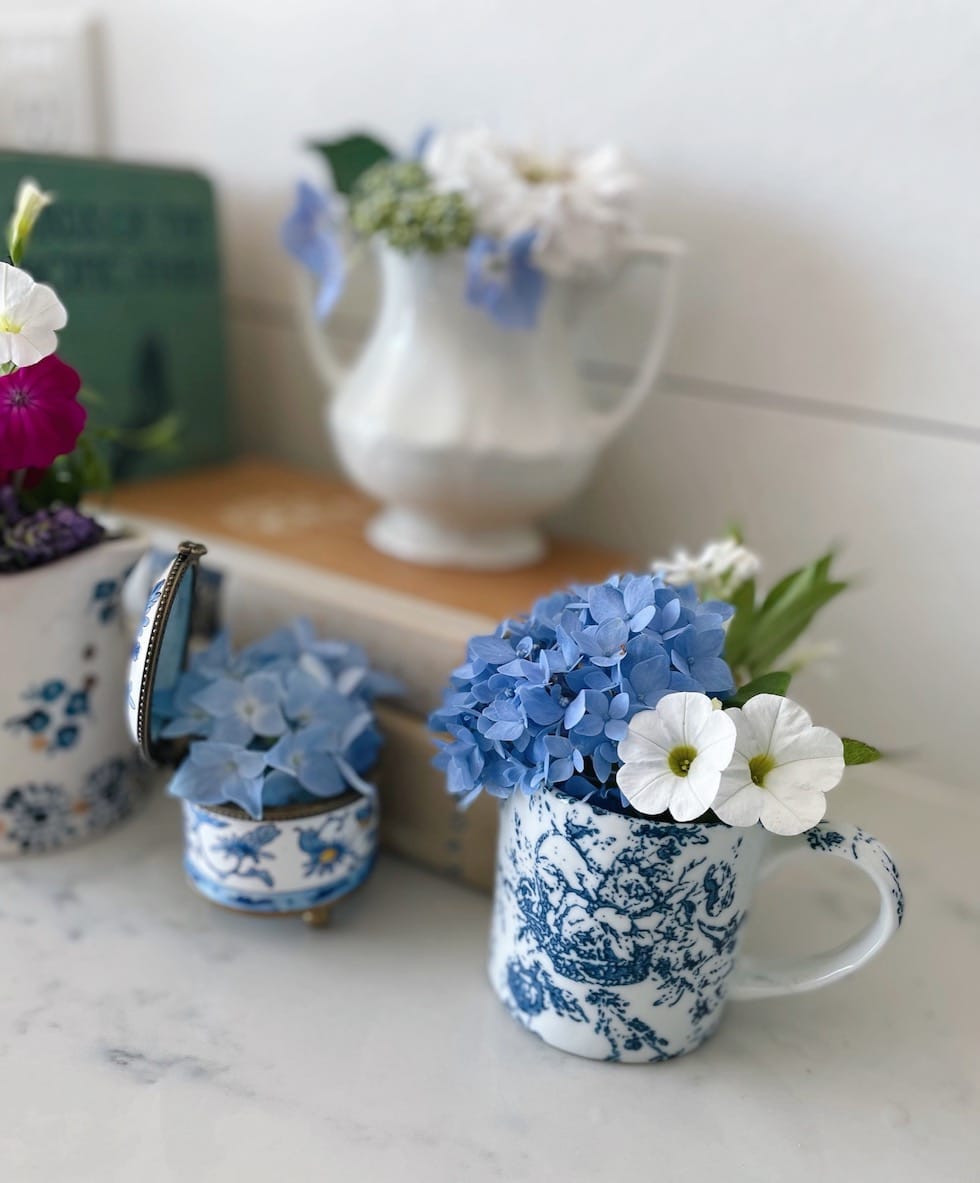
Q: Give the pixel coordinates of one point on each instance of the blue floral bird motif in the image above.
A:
(325, 854)
(249, 845)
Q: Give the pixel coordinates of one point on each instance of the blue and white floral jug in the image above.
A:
(67, 767)
(617, 938)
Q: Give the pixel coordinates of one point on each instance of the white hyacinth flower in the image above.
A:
(673, 757)
(781, 769)
(581, 206)
(30, 315)
(31, 199)
(721, 566)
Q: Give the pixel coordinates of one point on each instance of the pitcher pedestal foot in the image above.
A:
(412, 536)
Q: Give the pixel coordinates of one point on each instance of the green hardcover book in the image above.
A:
(132, 251)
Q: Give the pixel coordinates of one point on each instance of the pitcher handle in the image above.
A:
(665, 255)
(329, 367)
(764, 977)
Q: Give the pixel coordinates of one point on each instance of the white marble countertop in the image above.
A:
(146, 1035)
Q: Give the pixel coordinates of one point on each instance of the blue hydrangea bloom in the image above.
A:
(502, 280)
(219, 773)
(296, 708)
(244, 708)
(544, 702)
(310, 235)
(181, 714)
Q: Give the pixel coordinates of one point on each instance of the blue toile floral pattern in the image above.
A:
(860, 846)
(615, 937)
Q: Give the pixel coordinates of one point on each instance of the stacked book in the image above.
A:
(290, 543)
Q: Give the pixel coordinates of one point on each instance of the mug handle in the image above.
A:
(764, 977)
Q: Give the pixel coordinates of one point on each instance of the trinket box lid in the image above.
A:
(159, 653)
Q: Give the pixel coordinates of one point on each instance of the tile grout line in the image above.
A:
(280, 315)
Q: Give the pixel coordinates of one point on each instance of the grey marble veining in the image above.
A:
(147, 1035)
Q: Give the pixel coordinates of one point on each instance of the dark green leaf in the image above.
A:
(776, 593)
(775, 633)
(70, 477)
(857, 752)
(776, 682)
(351, 156)
(740, 626)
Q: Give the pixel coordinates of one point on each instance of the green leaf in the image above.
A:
(740, 627)
(776, 682)
(776, 632)
(83, 470)
(858, 752)
(794, 582)
(788, 611)
(351, 156)
(159, 436)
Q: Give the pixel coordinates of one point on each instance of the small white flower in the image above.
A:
(673, 757)
(725, 562)
(581, 206)
(781, 769)
(30, 314)
(30, 201)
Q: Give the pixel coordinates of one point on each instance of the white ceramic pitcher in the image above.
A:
(465, 431)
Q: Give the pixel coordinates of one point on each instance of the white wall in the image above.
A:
(821, 160)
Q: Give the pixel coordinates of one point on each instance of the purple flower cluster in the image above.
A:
(544, 702)
(285, 721)
(29, 539)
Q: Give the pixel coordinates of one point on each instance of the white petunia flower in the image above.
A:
(725, 563)
(673, 757)
(30, 314)
(782, 767)
(31, 199)
(581, 206)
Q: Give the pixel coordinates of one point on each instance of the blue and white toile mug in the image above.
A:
(617, 938)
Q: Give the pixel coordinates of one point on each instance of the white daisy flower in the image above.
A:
(581, 206)
(30, 314)
(781, 769)
(673, 757)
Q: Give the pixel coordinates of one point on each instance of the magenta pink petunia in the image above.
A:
(40, 416)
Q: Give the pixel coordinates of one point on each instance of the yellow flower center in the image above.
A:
(540, 172)
(328, 855)
(9, 326)
(759, 768)
(680, 759)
